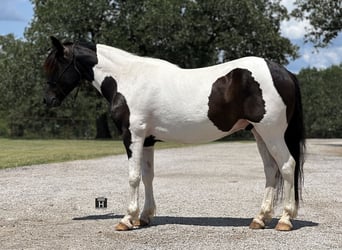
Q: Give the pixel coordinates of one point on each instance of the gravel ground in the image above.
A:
(206, 196)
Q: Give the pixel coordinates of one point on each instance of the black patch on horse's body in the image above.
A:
(249, 127)
(150, 141)
(235, 96)
(285, 85)
(109, 88)
(119, 110)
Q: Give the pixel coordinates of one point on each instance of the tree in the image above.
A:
(325, 18)
(321, 101)
(72, 21)
(204, 32)
(186, 32)
(16, 83)
(21, 108)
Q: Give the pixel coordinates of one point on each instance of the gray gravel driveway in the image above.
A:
(206, 196)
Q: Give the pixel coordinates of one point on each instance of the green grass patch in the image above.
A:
(15, 153)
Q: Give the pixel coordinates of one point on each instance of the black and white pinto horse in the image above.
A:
(153, 100)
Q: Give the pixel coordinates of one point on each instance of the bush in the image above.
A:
(322, 102)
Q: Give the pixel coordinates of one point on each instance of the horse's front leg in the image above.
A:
(147, 178)
(134, 151)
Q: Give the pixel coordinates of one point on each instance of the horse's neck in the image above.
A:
(116, 57)
(111, 62)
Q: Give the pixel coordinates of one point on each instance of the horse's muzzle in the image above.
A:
(51, 102)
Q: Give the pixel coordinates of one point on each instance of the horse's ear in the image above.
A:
(57, 45)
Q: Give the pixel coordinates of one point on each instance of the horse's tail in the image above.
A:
(295, 140)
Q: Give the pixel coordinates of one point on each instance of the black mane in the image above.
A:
(91, 46)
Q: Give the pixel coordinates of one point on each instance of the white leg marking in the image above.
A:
(147, 178)
(287, 172)
(286, 164)
(134, 176)
(270, 169)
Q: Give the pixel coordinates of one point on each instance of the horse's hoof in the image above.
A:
(140, 223)
(256, 225)
(281, 226)
(121, 227)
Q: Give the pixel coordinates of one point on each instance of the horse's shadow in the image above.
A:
(202, 221)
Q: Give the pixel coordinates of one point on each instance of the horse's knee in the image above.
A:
(134, 180)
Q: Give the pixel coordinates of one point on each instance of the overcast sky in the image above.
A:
(15, 15)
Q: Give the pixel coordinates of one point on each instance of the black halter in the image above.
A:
(71, 63)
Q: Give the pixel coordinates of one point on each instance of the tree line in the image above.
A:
(185, 32)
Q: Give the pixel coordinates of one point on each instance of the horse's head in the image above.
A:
(65, 67)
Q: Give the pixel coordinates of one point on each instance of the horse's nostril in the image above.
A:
(55, 102)
(51, 102)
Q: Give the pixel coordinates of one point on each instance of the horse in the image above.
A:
(153, 100)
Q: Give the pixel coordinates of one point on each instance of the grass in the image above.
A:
(15, 153)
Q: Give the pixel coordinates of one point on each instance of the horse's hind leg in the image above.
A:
(271, 170)
(147, 178)
(277, 147)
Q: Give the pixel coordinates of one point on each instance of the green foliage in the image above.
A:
(321, 91)
(74, 20)
(21, 106)
(325, 18)
(201, 33)
(186, 32)
(17, 81)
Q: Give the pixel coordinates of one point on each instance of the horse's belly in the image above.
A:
(188, 132)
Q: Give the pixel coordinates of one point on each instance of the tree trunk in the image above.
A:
(102, 129)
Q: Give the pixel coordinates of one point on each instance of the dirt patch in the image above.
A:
(206, 196)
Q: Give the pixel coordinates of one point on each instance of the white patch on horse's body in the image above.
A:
(176, 99)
